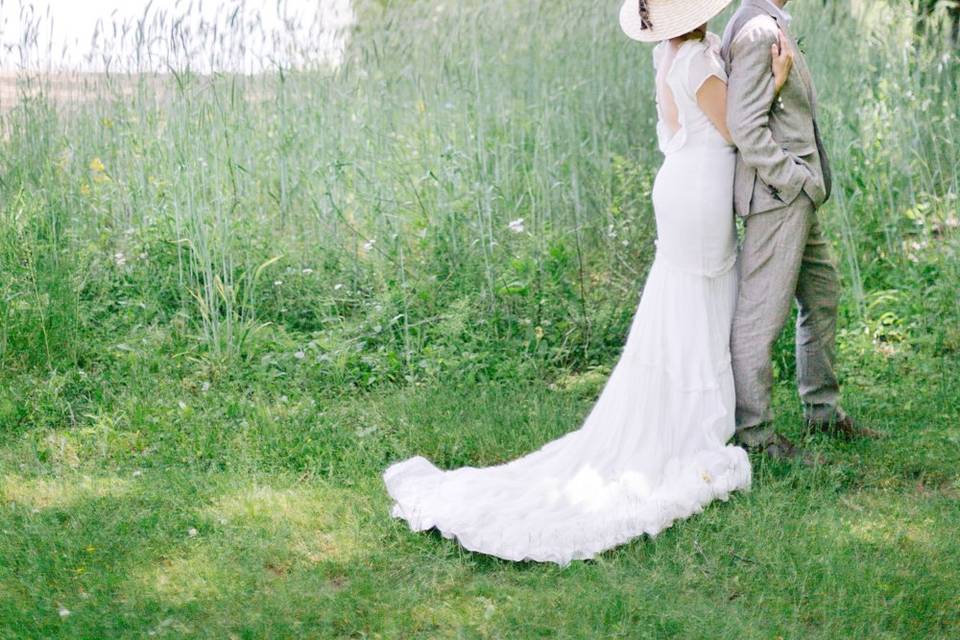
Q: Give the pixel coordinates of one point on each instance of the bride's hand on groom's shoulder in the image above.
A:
(782, 56)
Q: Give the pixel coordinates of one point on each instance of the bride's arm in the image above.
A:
(782, 62)
(712, 94)
(712, 98)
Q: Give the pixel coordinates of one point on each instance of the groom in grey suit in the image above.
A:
(782, 176)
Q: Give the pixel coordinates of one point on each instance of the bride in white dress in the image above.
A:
(653, 447)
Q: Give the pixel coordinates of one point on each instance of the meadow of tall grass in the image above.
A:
(290, 278)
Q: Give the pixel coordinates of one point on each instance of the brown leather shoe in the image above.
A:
(780, 448)
(845, 428)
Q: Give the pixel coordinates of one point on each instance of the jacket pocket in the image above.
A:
(807, 155)
(800, 148)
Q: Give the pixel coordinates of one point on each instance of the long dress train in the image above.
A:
(652, 448)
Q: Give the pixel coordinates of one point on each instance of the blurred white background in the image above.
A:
(245, 36)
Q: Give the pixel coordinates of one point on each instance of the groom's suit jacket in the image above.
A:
(779, 150)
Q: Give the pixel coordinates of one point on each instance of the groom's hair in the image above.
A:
(697, 34)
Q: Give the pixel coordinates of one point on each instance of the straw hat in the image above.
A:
(655, 20)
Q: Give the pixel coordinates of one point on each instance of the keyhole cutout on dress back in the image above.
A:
(669, 112)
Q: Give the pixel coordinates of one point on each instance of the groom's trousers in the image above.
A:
(784, 256)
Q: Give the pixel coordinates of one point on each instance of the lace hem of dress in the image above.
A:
(693, 483)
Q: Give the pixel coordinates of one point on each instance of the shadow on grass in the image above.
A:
(107, 556)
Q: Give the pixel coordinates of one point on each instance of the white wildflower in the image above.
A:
(516, 225)
(369, 244)
(299, 355)
(63, 611)
(192, 532)
(119, 258)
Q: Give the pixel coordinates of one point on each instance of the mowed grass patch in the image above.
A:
(270, 547)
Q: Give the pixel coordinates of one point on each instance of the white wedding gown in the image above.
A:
(652, 448)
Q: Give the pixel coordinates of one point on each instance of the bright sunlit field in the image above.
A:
(228, 300)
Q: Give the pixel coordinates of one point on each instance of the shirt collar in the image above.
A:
(782, 16)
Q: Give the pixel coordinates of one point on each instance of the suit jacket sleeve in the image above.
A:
(750, 96)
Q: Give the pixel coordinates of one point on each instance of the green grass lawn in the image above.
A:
(248, 514)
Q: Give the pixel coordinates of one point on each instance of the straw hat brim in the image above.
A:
(669, 18)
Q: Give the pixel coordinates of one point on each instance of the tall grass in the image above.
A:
(473, 180)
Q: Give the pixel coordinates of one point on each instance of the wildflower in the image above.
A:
(337, 286)
(277, 283)
(99, 171)
(300, 355)
(63, 611)
(516, 225)
(885, 348)
(192, 532)
(538, 331)
(369, 244)
(120, 259)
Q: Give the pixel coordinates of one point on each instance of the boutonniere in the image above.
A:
(800, 45)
